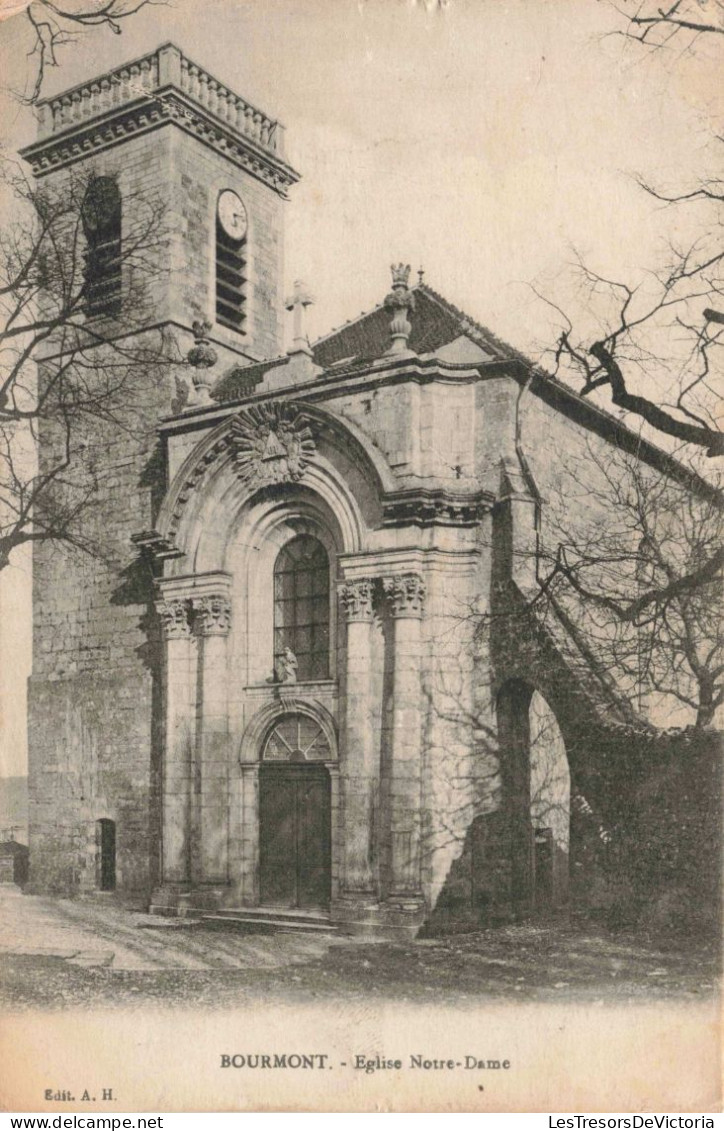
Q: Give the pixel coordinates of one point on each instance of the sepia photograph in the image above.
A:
(361, 555)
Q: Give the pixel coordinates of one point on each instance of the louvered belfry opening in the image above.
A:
(230, 280)
(102, 216)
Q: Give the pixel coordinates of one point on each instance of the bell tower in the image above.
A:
(163, 128)
(158, 137)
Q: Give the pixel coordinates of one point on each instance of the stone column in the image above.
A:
(360, 765)
(180, 738)
(249, 838)
(212, 622)
(406, 593)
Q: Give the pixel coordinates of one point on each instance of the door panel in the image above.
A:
(313, 841)
(294, 836)
(277, 836)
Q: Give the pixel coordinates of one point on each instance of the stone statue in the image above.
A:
(286, 667)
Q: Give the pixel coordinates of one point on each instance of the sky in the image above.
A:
(485, 140)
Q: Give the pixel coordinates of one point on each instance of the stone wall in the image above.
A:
(94, 738)
(92, 748)
(91, 691)
(91, 744)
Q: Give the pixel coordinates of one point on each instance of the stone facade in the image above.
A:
(389, 770)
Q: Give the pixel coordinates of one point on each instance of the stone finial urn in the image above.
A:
(399, 302)
(201, 357)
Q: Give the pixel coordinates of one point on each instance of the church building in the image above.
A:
(302, 684)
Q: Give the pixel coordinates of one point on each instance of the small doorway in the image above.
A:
(106, 854)
(294, 836)
(543, 885)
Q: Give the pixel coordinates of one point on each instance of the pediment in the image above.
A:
(463, 350)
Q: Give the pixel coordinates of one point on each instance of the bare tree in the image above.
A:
(658, 349)
(76, 367)
(656, 345)
(53, 26)
(650, 342)
(637, 579)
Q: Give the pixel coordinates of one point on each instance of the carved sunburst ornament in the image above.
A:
(272, 444)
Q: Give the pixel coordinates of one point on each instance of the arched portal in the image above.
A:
(536, 793)
(295, 815)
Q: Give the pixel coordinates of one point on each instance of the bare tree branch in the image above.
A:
(656, 25)
(663, 421)
(54, 26)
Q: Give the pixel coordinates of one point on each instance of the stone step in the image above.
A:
(271, 911)
(287, 920)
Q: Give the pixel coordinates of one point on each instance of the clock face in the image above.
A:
(232, 214)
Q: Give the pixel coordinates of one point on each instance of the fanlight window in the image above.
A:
(101, 215)
(296, 738)
(301, 607)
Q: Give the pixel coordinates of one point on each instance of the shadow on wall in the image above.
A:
(514, 861)
(136, 588)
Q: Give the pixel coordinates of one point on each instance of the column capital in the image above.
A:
(173, 612)
(357, 598)
(406, 594)
(212, 615)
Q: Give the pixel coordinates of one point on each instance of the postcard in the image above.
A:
(360, 556)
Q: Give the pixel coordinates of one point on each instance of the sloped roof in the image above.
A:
(241, 379)
(435, 323)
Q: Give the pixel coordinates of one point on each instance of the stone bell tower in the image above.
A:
(164, 127)
(160, 128)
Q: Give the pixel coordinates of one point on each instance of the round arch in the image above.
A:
(207, 486)
(253, 542)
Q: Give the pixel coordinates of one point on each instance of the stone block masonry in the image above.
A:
(91, 695)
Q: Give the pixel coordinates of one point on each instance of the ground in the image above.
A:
(57, 953)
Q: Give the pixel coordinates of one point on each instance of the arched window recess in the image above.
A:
(296, 738)
(302, 610)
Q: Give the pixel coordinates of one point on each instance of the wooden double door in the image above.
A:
(294, 835)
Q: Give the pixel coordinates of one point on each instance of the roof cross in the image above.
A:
(298, 303)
